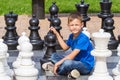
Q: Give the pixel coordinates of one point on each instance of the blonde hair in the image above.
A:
(75, 15)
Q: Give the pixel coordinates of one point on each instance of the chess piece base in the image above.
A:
(100, 77)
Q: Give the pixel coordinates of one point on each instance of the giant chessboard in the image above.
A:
(38, 54)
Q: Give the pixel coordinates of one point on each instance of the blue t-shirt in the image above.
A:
(82, 42)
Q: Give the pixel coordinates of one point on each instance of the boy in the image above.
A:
(79, 60)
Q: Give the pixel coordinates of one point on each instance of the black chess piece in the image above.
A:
(13, 16)
(83, 8)
(50, 42)
(119, 39)
(113, 43)
(56, 24)
(55, 20)
(105, 6)
(35, 38)
(53, 10)
(10, 37)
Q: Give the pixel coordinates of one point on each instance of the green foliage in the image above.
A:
(65, 6)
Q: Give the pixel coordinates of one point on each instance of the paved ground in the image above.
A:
(22, 25)
(38, 54)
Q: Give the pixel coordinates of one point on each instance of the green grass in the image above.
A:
(65, 6)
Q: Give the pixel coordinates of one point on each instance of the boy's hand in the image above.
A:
(54, 30)
(56, 67)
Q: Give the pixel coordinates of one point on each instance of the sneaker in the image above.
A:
(74, 74)
(48, 66)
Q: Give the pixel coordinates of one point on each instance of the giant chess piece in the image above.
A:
(23, 38)
(53, 10)
(113, 43)
(55, 20)
(83, 8)
(13, 16)
(119, 39)
(35, 38)
(50, 42)
(100, 52)
(10, 37)
(116, 70)
(105, 11)
(85, 31)
(7, 69)
(5, 72)
(27, 70)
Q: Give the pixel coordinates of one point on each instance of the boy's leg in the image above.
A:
(69, 65)
(55, 57)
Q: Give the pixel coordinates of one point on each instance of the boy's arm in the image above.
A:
(60, 39)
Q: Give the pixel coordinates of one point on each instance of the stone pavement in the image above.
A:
(93, 25)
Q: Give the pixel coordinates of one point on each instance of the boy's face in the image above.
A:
(75, 26)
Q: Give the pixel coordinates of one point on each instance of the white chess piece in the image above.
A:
(3, 64)
(27, 70)
(22, 39)
(86, 32)
(100, 52)
(116, 70)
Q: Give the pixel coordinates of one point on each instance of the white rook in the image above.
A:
(100, 52)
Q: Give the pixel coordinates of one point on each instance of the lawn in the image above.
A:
(65, 6)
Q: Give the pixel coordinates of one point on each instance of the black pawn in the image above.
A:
(105, 6)
(83, 8)
(35, 38)
(50, 42)
(56, 22)
(10, 38)
(113, 43)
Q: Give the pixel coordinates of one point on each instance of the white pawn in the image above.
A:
(27, 70)
(3, 64)
(100, 52)
(116, 70)
(22, 39)
(86, 32)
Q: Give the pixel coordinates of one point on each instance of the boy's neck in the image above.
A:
(75, 35)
